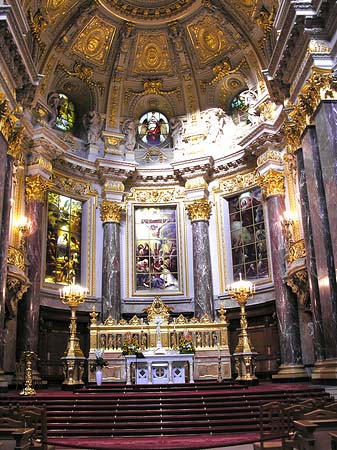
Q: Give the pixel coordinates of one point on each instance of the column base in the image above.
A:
(291, 372)
(325, 372)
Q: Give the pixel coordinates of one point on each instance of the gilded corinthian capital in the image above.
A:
(111, 211)
(199, 209)
(36, 187)
(272, 182)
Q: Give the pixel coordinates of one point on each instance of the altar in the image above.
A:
(168, 368)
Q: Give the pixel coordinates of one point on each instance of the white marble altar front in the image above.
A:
(164, 368)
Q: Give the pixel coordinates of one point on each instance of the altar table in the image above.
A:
(159, 369)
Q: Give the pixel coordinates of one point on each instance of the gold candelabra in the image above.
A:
(73, 295)
(28, 357)
(244, 353)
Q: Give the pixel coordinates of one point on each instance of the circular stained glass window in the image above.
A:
(153, 128)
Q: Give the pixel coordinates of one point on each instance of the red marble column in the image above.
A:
(36, 187)
(322, 240)
(285, 301)
(326, 130)
(315, 301)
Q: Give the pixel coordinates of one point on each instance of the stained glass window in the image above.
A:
(63, 259)
(66, 114)
(156, 252)
(153, 128)
(239, 109)
(248, 236)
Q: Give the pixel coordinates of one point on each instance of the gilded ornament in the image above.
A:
(36, 188)
(113, 186)
(111, 211)
(16, 258)
(15, 143)
(267, 110)
(154, 155)
(238, 183)
(150, 87)
(224, 69)
(95, 40)
(199, 210)
(83, 73)
(318, 46)
(272, 182)
(298, 282)
(152, 196)
(181, 320)
(158, 308)
(71, 185)
(269, 155)
(196, 183)
(38, 24)
(93, 316)
(135, 320)
(296, 251)
(208, 39)
(152, 55)
(7, 119)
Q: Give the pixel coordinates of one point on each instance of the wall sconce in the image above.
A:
(22, 224)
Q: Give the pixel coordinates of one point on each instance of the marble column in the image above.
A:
(111, 214)
(36, 188)
(326, 130)
(326, 275)
(4, 240)
(199, 212)
(285, 301)
(315, 301)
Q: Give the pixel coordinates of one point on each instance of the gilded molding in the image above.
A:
(237, 183)
(150, 87)
(297, 251)
(269, 155)
(272, 182)
(196, 183)
(154, 196)
(199, 209)
(111, 211)
(16, 258)
(265, 21)
(113, 186)
(72, 185)
(36, 188)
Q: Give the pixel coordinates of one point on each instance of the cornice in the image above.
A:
(18, 28)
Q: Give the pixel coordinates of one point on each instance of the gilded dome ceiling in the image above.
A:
(122, 58)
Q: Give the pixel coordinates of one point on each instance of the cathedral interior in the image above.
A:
(161, 151)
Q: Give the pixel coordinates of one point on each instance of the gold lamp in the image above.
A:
(73, 295)
(244, 354)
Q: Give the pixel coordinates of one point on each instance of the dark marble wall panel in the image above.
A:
(203, 289)
(326, 130)
(285, 301)
(111, 289)
(322, 240)
(310, 261)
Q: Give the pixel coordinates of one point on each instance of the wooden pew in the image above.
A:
(311, 432)
(13, 435)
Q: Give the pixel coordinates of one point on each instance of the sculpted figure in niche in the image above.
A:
(55, 102)
(215, 121)
(176, 127)
(129, 128)
(92, 122)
